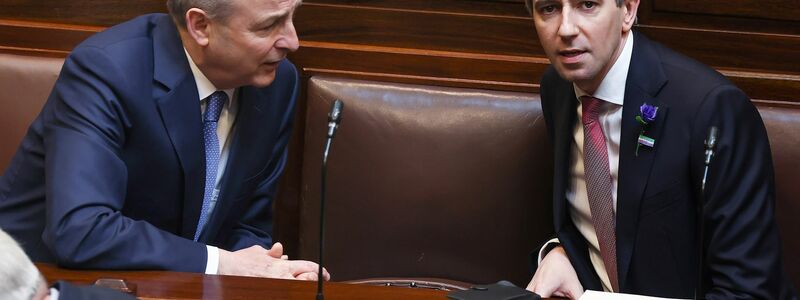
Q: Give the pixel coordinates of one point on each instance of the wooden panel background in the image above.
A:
(488, 44)
(762, 9)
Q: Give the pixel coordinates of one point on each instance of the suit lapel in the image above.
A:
(645, 80)
(565, 115)
(179, 108)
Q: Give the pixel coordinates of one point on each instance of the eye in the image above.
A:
(588, 4)
(548, 9)
(263, 27)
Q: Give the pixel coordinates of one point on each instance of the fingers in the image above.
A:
(532, 285)
(276, 251)
(572, 289)
(307, 276)
(326, 275)
(568, 294)
(314, 276)
(284, 276)
(302, 266)
(252, 261)
(556, 277)
(545, 290)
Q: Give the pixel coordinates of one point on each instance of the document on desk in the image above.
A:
(595, 295)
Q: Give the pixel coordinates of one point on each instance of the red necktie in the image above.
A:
(598, 185)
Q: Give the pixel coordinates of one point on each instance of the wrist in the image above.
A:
(548, 246)
(224, 262)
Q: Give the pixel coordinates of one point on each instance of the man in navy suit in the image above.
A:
(628, 118)
(161, 145)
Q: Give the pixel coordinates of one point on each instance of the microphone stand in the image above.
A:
(333, 122)
(320, 296)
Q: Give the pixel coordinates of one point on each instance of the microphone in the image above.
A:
(334, 117)
(710, 145)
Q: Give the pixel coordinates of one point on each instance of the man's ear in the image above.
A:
(198, 25)
(631, 8)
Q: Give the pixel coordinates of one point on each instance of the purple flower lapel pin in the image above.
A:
(647, 114)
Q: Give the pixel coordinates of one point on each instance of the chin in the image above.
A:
(263, 81)
(574, 75)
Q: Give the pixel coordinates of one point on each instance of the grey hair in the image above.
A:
(216, 9)
(19, 278)
(529, 5)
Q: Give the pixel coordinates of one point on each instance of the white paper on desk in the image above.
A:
(595, 295)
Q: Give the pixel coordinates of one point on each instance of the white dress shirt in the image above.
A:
(224, 127)
(611, 90)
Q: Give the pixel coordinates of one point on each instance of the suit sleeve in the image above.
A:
(742, 255)
(255, 226)
(86, 178)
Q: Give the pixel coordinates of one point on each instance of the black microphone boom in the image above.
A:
(711, 145)
(334, 117)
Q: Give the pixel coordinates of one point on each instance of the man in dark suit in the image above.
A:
(161, 145)
(628, 119)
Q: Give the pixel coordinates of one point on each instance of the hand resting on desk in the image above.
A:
(259, 262)
(556, 277)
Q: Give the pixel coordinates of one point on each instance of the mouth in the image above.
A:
(571, 55)
(274, 62)
(571, 52)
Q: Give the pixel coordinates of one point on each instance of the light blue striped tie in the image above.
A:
(214, 105)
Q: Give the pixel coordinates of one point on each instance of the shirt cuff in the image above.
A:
(212, 263)
(552, 243)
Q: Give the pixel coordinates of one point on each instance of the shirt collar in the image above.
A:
(204, 86)
(53, 293)
(612, 88)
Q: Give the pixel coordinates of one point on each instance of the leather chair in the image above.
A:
(783, 128)
(455, 183)
(426, 182)
(26, 82)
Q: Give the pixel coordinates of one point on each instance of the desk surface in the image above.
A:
(176, 285)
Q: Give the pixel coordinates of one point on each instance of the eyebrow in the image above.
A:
(543, 2)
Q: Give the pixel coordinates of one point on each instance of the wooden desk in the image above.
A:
(175, 285)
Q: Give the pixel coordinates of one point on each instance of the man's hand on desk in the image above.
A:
(259, 262)
(556, 277)
(277, 252)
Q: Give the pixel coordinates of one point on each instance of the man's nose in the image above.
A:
(288, 39)
(568, 27)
